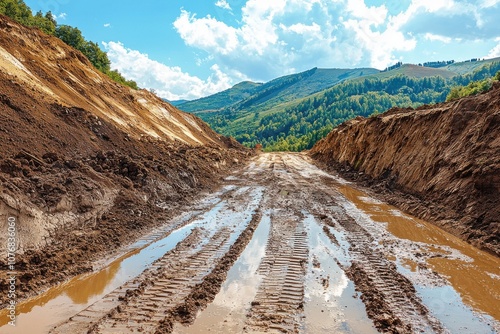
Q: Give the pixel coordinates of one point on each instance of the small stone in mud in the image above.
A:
(316, 263)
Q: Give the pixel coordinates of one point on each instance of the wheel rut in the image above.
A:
(278, 304)
(391, 299)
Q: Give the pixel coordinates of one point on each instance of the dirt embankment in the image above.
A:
(441, 163)
(87, 165)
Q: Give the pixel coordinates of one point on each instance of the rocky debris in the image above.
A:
(440, 163)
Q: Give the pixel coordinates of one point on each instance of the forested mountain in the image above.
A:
(297, 124)
(249, 97)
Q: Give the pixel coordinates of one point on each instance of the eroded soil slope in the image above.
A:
(86, 165)
(441, 163)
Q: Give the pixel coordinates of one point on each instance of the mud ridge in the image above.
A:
(204, 293)
(278, 304)
(390, 298)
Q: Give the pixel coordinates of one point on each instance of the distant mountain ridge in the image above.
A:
(222, 99)
(175, 102)
(294, 111)
(249, 95)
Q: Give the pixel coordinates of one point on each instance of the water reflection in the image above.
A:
(226, 314)
(330, 305)
(475, 275)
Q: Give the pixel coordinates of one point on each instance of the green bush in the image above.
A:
(474, 88)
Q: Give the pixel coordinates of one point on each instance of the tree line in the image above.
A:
(21, 13)
(473, 88)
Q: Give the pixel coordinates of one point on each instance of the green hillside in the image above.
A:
(415, 71)
(296, 124)
(469, 66)
(249, 97)
(223, 99)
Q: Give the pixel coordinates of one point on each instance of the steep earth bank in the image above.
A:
(87, 165)
(441, 162)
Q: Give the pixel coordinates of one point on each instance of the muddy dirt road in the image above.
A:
(282, 247)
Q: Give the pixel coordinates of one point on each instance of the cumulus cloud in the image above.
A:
(452, 18)
(261, 40)
(379, 43)
(495, 52)
(169, 82)
(489, 3)
(206, 33)
(223, 4)
(439, 38)
(277, 37)
(273, 38)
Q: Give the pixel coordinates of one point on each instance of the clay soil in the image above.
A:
(440, 163)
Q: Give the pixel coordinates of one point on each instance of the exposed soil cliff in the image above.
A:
(441, 163)
(86, 164)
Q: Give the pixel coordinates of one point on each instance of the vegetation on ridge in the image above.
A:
(20, 12)
(473, 88)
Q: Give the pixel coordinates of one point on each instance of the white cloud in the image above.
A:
(302, 29)
(107, 25)
(223, 4)
(439, 38)
(206, 33)
(168, 82)
(371, 15)
(380, 46)
(452, 18)
(489, 3)
(274, 38)
(495, 52)
(377, 34)
(61, 16)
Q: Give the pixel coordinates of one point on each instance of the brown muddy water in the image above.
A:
(473, 276)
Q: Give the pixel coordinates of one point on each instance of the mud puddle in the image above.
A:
(447, 306)
(227, 312)
(331, 303)
(39, 314)
(470, 278)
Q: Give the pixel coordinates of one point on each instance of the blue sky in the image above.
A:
(193, 48)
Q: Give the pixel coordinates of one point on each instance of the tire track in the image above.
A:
(278, 305)
(140, 307)
(89, 317)
(174, 282)
(391, 299)
(189, 277)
